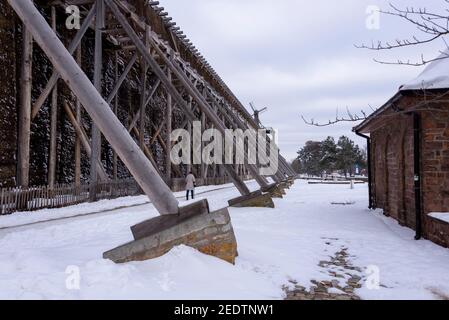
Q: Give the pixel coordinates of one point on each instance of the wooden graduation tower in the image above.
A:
(142, 34)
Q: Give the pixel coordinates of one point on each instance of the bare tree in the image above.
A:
(432, 26)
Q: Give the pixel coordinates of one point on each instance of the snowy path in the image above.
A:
(275, 246)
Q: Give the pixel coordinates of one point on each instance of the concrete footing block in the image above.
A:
(285, 185)
(155, 225)
(255, 199)
(275, 191)
(210, 233)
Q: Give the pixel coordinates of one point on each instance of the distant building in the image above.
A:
(408, 140)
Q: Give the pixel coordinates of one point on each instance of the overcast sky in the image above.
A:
(297, 57)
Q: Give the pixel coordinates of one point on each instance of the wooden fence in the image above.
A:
(62, 195)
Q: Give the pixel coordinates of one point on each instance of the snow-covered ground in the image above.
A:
(275, 246)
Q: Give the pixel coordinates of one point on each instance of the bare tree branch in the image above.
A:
(433, 25)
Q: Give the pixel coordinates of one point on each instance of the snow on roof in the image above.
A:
(434, 76)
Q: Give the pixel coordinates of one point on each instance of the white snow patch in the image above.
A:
(30, 217)
(275, 246)
(335, 291)
(443, 216)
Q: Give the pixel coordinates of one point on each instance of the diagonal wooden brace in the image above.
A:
(101, 113)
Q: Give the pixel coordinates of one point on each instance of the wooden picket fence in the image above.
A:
(62, 195)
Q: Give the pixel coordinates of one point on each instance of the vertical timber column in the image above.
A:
(78, 120)
(168, 119)
(203, 167)
(143, 93)
(98, 69)
(116, 134)
(53, 121)
(189, 129)
(114, 153)
(23, 155)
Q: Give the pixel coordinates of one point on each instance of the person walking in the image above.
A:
(190, 186)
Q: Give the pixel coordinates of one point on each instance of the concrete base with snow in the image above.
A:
(209, 233)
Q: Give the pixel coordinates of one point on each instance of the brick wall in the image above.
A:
(392, 165)
(393, 168)
(435, 166)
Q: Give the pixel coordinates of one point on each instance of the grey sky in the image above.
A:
(298, 57)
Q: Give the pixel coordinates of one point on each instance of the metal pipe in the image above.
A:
(113, 130)
(417, 172)
(370, 186)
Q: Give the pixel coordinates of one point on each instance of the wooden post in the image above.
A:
(203, 168)
(98, 69)
(23, 156)
(143, 94)
(114, 154)
(78, 120)
(114, 131)
(189, 129)
(84, 140)
(53, 121)
(241, 186)
(168, 127)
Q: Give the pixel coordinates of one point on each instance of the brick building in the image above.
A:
(408, 140)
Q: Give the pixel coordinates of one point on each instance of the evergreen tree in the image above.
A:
(348, 155)
(310, 157)
(327, 156)
(296, 165)
(328, 161)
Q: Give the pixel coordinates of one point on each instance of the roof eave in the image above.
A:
(361, 128)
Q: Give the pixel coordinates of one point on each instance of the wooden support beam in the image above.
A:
(223, 116)
(168, 128)
(78, 120)
(84, 140)
(53, 121)
(116, 134)
(143, 93)
(241, 186)
(147, 151)
(55, 75)
(189, 129)
(157, 133)
(222, 88)
(23, 156)
(98, 70)
(114, 154)
(142, 106)
(149, 154)
(137, 114)
(119, 81)
(144, 51)
(203, 168)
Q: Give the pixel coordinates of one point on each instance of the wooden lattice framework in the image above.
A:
(145, 37)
